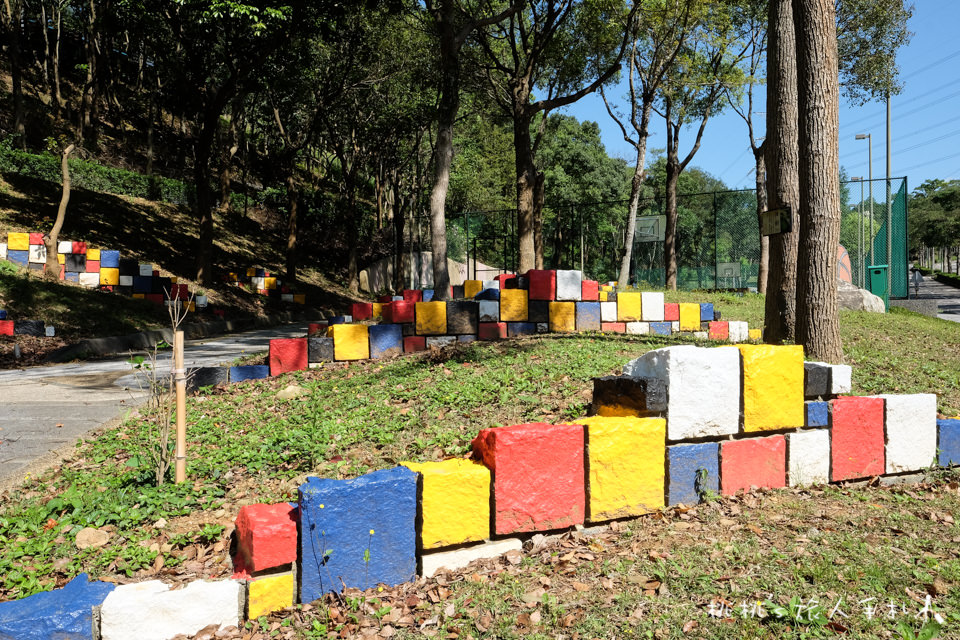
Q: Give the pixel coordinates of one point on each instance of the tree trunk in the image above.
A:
(761, 182)
(53, 265)
(201, 179)
(538, 195)
(636, 188)
(818, 323)
(13, 20)
(526, 190)
(57, 95)
(293, 198)
(670, 233)
(782, 172)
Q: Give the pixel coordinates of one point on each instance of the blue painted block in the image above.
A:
(261, 273)
(588, 316)
(143, 284)
(686, 483)
(65, 613)
(818, 414)
(357, 533)
(72, 276)
(397, 299)
(488, 294)
(427, 295)
(706, 312)
(515, 329)
(109, 259)
(660, 328)
(337, 320)
(21, 258)
(949, 442)
(249, 372)
(3, 314)
(386, 340)
(466, 339)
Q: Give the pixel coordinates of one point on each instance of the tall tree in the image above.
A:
(12, 20)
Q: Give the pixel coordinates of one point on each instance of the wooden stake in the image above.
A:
(180, 378)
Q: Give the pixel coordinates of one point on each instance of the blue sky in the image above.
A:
(925, 123)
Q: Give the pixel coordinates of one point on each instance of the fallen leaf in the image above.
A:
(581, 586)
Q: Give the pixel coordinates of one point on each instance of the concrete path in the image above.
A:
(43, 409)
(947, 297)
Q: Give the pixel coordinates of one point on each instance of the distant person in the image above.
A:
(917, 278)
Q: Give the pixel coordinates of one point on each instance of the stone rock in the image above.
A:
(608, 311)
(630, 306)
(809, 457)
(852, 297)
(693, 469)
(772, 386)
(490, 311)
(266, 536)
(290, 392)
(542, 284)
(459, 558)
(288, 354)
(857, 445)
(638, 328)
(62, 614)
(538, 311)
(91, 538)
(270, 593)
(320, 349)
(462, 316)
(588, 316)
(739, 331)
(949, 439)
(818, 414)
(249, 372)
(454, 502)
(386, 340)
(513, 305)
(563, 317)
(651, 306)
(753, 462)
(568, 285)
(911, 431)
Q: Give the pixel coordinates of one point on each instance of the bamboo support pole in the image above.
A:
(180, 378)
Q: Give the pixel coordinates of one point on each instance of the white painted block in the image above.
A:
(490, 310)
(126, 281)
(568, 285)
(840, 377)
(701, 335)
(64, 246)
(286, 297)
(347, 319)
(466, 338)
(739, 331)
(90, 280)
(638, 328)
(491, 284)
(201, 301)
(38, 253)
(441, 341)
(146, 269)
(608, 311)
(703, 388)
(651, 306)
(3, 250)
(49, 331)
(543, 327)
(675, 326)
(459, 558)
(911, 431)
(809, 457)
(151, 611)
(258, 282)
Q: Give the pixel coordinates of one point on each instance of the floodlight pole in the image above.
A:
(869, 138)
(889, 209)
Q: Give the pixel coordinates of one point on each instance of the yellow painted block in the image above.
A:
(377, 310)
(350, 341)
(173, 280)
(513, 305)
(110, 276)
(301, 298)
(93, 254)
(268, 594)
(772, 386)
(138, 296)
(18, 242)
(756, 334)
(563, 317)
(455, 502)
(192, 307)
(603, 296)
(431, 318)
(625, 465)
(251, 272)
(270, 282)
(689, 316)
(472, 288)
(628, 307)
(606, 287)
(62, 258)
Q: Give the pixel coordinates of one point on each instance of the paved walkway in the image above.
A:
(43, 409)
(947, 297)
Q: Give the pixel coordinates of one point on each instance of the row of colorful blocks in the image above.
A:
(559, 285)
(35, 328)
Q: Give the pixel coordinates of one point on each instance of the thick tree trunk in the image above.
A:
(293, 199)
(761, 183)
(201, 179)
(818, 323)
(12, 18)
(782, 172)
(538, 196)
(636, 188)
(670, 233)
(526, 191)
(53, 265)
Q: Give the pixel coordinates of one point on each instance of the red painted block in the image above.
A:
(385, 299)
(93, 266)
(538, 475)
(155, 298)
(361, 311)
(399, 312)
(857, 441)
(719, 330)
(79, 247)
(414, 343)
(542, 284)
(315, 328)
(758, 462)
(413, 295)
(590, 291)
(6, 327)
(505, 280)
(156, 273)
(288, 354)
(492, 331)
(63, 272)
(613, 327)
(36, 238)
(266, 536)
(671, 312)
(106, 287)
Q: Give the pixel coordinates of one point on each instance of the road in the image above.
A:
(44, 409)
(947, 297)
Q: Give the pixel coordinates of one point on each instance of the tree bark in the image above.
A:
(761, 183)
(53, 265)
(818, 323)
(636, 188)
(782, 172)
(526, 191)
(670, 233)
(12, 19)
(293, 200)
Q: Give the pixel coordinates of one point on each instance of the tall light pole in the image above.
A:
(861, 136)
(861, 278)
(889, 211)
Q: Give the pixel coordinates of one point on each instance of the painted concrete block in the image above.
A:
(719, 330)
(542, 284)
(93, 266)
(145, 269)
(3, 314)
(538, 475)
(625, 465)
(151, 611)
(772, 387)
(6, 328)
(127, 281)
(651, 306)
(466, 339)
(93, 254)
(841, 379)
(18, 241)
(911, 431)
(71, 276)
(266, 536)
(440, 342)
(109, 276)
(513, 305)
(288, 354)
(320, 349)
(454, 502)
(590, 291)
(377, 311)
(29, 328)
(335, 320)
(431, 318)
(739, 331)
(706, 312)
(630, 306)
(351, 341)
(269, 593)
(36, 237)
(357, 533)
(401, 312)
(63, 614)
(20, 258)
(457, 292)
(543, 327)
(397, 299)
(948, 442)
(492, 295)
(413, 295)
(756, 335)
(109, 259)
(816, 381)
(603, 296)
(613, 327)
(386, 340)
(428, 295)
(317, 328)
(37, 254)
(817, 414)
(758, 462)
(563, 317)
(491, 284)
(49, 331)
(249, 372)
(693, 470)
(689, 316)
(628, 396)
(857, 447)
(361, 311)
(459, 558)
(412, 344)
(692, 374)
(661, 328)
(808, 453)
(141, 284)
(701, 335)
(492, 331)
(538, 311)
(489, 311)
(61, 259)
(462, 317)
(3, 250)
(569, 287)
(64, 246)
(516, 329)
(507, 281)
(608, 312)
(199, 377)
(638, 328)
(471, 288)
(90, 280)
(671, 312)
(588, 316)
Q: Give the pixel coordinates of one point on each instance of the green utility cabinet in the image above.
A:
(877, 283)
